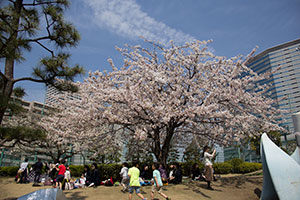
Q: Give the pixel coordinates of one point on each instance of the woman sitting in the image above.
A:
(86, 175)
(163, 173)
(176, 176)
(95, 177)
(196, 173)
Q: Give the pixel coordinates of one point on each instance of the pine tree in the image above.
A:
(20, 25)
(192, 152)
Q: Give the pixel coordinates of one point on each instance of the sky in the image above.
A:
(235, 26)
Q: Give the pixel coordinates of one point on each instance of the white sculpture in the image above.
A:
(281, 172)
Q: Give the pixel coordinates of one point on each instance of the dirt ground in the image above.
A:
(231, 187)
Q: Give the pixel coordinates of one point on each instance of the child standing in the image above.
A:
(125, 178)
(157, 182)
(134, 174)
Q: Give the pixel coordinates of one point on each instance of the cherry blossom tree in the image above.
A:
(67, 132)
(175, 91)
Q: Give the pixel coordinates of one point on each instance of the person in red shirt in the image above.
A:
(61, 174)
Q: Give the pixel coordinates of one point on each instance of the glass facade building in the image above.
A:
(285, 81)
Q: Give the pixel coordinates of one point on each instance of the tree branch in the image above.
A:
(40, 38)
(52, 53)
(40, 3)
(3, 76)
(28, 79)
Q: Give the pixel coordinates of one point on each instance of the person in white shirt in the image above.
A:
(22, 172)
(69, 183)
(208, 165)
(125, 177)
(67, 174)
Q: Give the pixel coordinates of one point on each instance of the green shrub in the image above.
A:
(76, 170)
(248, 167)
(8, 171)
(110, 170)
(235, 162)
(222, 168)
(186, 167)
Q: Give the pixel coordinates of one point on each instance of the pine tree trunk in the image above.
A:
(12, 45)
(7, 87)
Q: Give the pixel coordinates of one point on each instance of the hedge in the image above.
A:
(222, 168)
(235, 162)
(113, 170)
(76, 170)
(248, 167)
(8, 171)
(106, 170)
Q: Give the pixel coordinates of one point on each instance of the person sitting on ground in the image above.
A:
(23, 171)
(80, 183)
(145, 178)
(176, 176)
(95, 177)
(125, 177)
(196, 173)
(61, 174)
(108, 182)
(163, 173)
(86, 175)
(171, 173)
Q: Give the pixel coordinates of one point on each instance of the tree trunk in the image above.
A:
(7, 87)
(162, 153)
(12, 45)
(157, 149)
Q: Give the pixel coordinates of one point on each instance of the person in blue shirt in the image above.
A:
(157, 186)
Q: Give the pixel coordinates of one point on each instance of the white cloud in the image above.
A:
(125, 18)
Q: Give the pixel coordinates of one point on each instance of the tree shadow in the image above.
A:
(255, 180)
(236, 181)
(75, 195)
(11, 198)
(195, 187)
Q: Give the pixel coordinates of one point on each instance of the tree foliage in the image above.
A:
(24, 23)
(175, 91)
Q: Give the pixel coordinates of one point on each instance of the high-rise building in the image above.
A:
(52, 94)
(284, 63)
(285, 82)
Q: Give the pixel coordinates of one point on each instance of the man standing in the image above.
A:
(37, 167)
